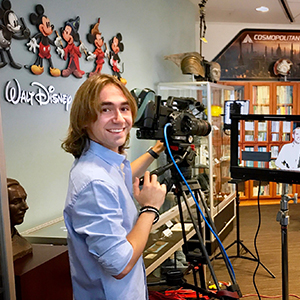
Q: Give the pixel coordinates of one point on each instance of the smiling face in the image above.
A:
(17, 204)
(67, 34)
(45, 27)
(296, 135)
(115, 45)
(98, 41)
(114, 119)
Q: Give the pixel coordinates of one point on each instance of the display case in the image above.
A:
(212, 162)
(166, 235)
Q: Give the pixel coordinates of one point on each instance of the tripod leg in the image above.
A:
(238, 241)
(201, 243)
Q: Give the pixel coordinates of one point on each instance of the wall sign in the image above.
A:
(257, 54)
(43, 95)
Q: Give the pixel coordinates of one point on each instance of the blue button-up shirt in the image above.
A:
(99, 213)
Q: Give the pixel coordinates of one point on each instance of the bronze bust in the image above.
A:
(17, 209)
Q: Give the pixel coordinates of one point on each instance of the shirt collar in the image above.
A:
(108, 155)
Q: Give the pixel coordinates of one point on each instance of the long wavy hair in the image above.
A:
(84, 112)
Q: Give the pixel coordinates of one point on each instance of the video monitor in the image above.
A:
(265, 147)
(243, 106)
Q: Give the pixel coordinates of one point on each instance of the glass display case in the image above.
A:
(213, 151)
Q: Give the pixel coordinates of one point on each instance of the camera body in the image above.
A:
(154, 113)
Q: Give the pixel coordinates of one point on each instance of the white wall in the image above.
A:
(33, 134)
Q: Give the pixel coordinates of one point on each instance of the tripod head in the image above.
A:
(184, 155)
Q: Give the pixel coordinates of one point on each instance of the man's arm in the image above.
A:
(152, 194)
(140, 165)
(282, 158)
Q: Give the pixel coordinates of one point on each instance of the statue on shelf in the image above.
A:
(17, 209)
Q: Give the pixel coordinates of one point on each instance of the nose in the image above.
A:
(24, 206)
(118, 117)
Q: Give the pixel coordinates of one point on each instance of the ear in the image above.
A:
(39, 9)
(1, 13)
(6, 5)
(119, 36)
(76, 37)
(33, 18)
(90, 38)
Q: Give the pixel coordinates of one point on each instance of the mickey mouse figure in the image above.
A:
(70, 34)
(12, 27)
(45, 29)
(95, 37)
(116, 46)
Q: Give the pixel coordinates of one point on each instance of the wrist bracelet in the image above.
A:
(153, 153)
(151, 209)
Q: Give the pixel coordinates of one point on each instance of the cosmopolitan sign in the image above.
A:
(276, 37)
(42, 95)
(253, 54)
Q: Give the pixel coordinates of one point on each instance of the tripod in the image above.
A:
(239, 243)
(196, 260)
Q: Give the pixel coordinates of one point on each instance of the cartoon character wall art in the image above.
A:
(116, 46)
(11, 27)
(41, 41)
(70, 35)
(95, 37)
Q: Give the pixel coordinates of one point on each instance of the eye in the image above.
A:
(125, 109)
(13, 20)
(105, 109)
(16, 201)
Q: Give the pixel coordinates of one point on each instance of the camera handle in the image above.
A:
(161, 170)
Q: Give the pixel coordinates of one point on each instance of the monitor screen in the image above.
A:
(244, 110)
(265, 148)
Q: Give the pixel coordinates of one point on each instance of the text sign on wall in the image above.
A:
(252, 54)
(43, 96)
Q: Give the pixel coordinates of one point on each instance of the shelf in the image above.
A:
(163, 249)
(159, 246)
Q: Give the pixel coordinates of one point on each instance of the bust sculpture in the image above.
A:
(17, 209)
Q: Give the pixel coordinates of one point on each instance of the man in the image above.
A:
(106, 236)
(17, 209)
(289, 155)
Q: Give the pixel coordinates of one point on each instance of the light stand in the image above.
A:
(239, 243)
(283, 219)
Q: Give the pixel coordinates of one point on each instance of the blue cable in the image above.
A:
(197, 204)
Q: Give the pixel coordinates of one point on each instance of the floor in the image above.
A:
(269, 247)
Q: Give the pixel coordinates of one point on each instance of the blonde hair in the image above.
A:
(84, 111)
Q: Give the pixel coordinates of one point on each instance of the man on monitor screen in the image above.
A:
(289, 155)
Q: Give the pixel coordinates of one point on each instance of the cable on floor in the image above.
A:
(255, 241)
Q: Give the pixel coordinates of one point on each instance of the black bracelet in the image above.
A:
(153, 153)
(151, 209)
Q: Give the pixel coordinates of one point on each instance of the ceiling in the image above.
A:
(243, 11)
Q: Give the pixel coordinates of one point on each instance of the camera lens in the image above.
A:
(201, 128)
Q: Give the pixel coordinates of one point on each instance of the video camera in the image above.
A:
(154, 113)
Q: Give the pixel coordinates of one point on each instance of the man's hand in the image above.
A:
(153, 193)
(159, 147)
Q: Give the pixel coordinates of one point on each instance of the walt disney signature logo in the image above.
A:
(43, 95)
